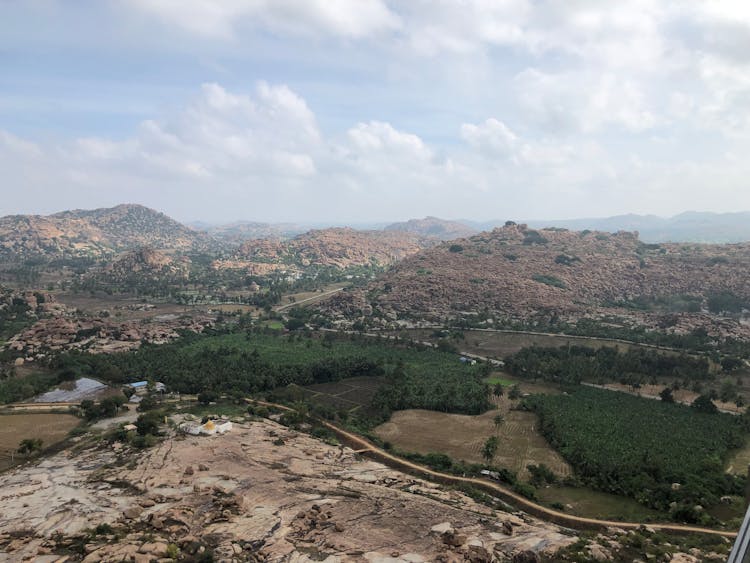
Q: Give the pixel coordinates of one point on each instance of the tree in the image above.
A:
(207, 397)
(148, 423)
(498, 420)
(515, 392)
(29, 445)
(490, 448)
(497, 390)
(666, 395)
(703, 403)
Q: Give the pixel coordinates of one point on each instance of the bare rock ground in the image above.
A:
(259, 493)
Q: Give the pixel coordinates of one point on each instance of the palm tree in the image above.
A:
(498, 420)
(489, 449)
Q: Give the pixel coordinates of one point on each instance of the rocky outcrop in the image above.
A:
(259, 501)
(521, 273)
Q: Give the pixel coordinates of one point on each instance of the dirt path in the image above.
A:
(577, 522)
(313, 298)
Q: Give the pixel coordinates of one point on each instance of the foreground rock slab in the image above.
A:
(253, 498)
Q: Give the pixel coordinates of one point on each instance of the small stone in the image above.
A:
(202, 467)
(189, 470)
(146, 502)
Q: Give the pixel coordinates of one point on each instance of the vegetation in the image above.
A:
(638, 447)
(251, 362)
(14, 388)
(574, 364)
(29, 446)
(549, 280)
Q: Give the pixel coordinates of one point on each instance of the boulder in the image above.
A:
(132, 513)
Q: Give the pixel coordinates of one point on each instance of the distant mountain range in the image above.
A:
(691, 226)
(432, 227)
(101, 232)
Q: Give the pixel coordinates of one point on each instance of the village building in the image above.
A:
(141, 387)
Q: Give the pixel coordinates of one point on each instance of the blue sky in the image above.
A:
(375, 110)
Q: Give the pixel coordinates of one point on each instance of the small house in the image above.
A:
(141, 387)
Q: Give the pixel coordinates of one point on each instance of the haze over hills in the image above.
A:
(433, 227)
(691, 226)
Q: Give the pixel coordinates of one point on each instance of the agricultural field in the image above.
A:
(461, 437)
(49, 427)
(637, 447)
(351, 394)
(596, 504)
(498, 345)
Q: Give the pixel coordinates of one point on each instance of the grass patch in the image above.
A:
(501, 380)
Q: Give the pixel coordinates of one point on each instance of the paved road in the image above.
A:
(561, 518)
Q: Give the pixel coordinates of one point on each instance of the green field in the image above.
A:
(596, 504)
(242, 363)
(495, 380)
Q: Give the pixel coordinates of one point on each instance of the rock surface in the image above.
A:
(300, 501)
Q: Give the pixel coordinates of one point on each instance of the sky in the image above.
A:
(375, 110)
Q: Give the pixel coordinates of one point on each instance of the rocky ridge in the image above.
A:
(522, 273)
(96, 233)
(336, 247)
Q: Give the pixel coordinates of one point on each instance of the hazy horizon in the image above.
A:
(374, 111)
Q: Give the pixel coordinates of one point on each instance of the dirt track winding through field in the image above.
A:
(576, 522)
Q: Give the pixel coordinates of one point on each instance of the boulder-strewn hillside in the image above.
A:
(337, 247)
(519, 272)
(145, 263)
(432, 227)
(95, 232)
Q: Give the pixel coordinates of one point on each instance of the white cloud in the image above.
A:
(492, 137)
(221, 19)
(583, 101)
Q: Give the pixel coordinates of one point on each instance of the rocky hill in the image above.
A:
(432, 227)
(144, 264)
(335, 247)
(96, 232)
(691, 226)
(520, 272)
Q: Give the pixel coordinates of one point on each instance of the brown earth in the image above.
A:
(50, 428)
(462, 437)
